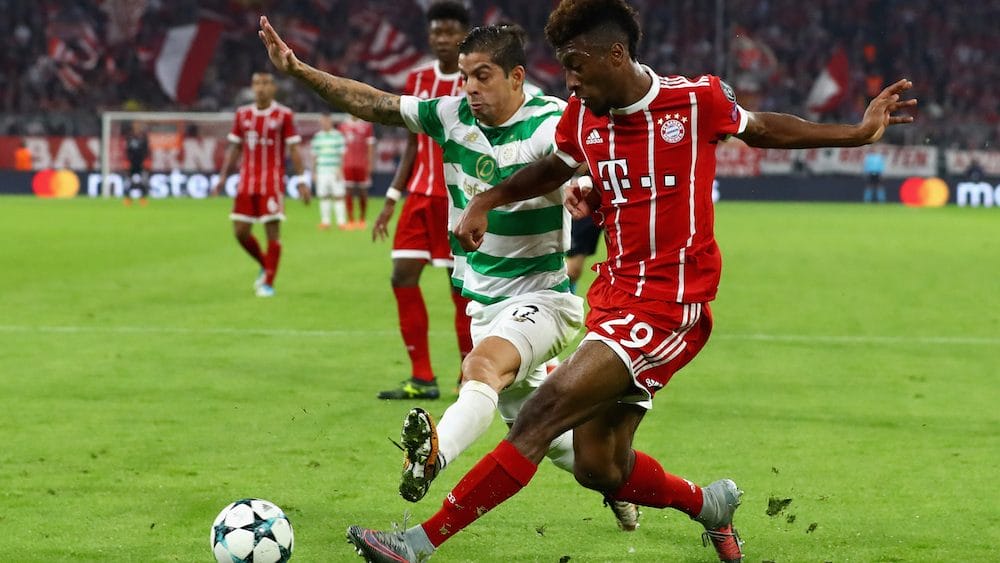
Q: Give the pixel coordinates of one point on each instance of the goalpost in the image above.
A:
(181, 144)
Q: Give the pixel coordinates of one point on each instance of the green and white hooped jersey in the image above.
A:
(328, 148)
(524, 248)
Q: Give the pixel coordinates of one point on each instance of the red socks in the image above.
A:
(349, 203)
(462, 322)
(496, 478)
(650, 485)
(413, 325)
(252, 247)
(271, 261)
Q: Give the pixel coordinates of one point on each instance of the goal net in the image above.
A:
(185, 151)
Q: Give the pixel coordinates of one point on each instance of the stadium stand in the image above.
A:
(62, 63)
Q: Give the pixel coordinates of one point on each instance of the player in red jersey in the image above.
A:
(649, 143)
(359, 159)
(422, 229)
(262, 131)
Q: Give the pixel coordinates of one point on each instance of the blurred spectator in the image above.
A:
(22, 158)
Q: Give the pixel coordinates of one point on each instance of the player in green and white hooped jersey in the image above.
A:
(523, 312)
(328, 171)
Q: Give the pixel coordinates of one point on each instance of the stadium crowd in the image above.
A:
(64, 62)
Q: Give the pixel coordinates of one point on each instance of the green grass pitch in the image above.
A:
(854, 370)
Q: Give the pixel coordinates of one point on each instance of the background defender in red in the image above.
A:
(359, 160)
(262, 131)
(422, 230)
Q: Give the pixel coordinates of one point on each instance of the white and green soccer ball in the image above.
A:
(252, 530)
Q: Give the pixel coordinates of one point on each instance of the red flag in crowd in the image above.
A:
(301, 37)
(392, 54)
(186, 52)
(831, 85)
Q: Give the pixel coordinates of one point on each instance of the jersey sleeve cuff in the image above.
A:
(566, 158)
(293, 139)
(408, 108)
(744, 119)
(233, 138)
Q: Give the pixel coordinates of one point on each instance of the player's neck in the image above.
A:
(264, 105)
(636, 83)
(448, 67)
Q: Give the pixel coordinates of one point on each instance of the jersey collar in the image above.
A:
(258, 111)
(442, 76)
(643, 102)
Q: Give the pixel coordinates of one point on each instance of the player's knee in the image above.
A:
(405, 273)
(482, 368)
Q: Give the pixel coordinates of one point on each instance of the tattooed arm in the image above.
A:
(356, 98)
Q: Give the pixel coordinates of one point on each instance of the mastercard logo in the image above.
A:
(56, 183)
(924, 192)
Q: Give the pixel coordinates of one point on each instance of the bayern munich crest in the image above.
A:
(672, 129)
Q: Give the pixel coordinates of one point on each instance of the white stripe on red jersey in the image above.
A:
(425, 82)
(654, 164)
(264, 134)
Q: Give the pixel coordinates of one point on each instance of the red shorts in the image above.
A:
(653, 338)
(357, 176)
(258, 208)
(422, 231)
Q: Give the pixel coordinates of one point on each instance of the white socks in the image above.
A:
(468, 419)
(340, 209)
(324, 211)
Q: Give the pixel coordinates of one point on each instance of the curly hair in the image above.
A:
(449, 10)
(503, 43)
(615, 19)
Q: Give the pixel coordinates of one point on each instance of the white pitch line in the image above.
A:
(295, 333)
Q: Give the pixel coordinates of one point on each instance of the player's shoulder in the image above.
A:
(548, 103)
(678, 82)
(282, 108)
(423, 68)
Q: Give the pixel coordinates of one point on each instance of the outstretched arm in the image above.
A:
(784, 131)
(538, 178)
(356, 98)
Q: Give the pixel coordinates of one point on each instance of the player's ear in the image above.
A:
(618, 54)
(517, 73)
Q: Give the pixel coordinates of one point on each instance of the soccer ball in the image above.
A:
(252, 531)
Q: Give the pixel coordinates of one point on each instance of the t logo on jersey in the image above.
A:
(612, 181)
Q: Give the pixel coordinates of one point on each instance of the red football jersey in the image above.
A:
(653, 164)
(264, 134)
(425, 82)
(359, 135)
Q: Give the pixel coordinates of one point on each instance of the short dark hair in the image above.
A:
(503, 43)
(573, 18)
(449, 10)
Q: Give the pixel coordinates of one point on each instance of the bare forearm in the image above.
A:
(296, 155)
(356, 98)
(536, 179)
(784, 131)
(227, 162)
(406, 160)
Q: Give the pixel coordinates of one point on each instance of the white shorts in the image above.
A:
(330, 184)
(539, 325)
